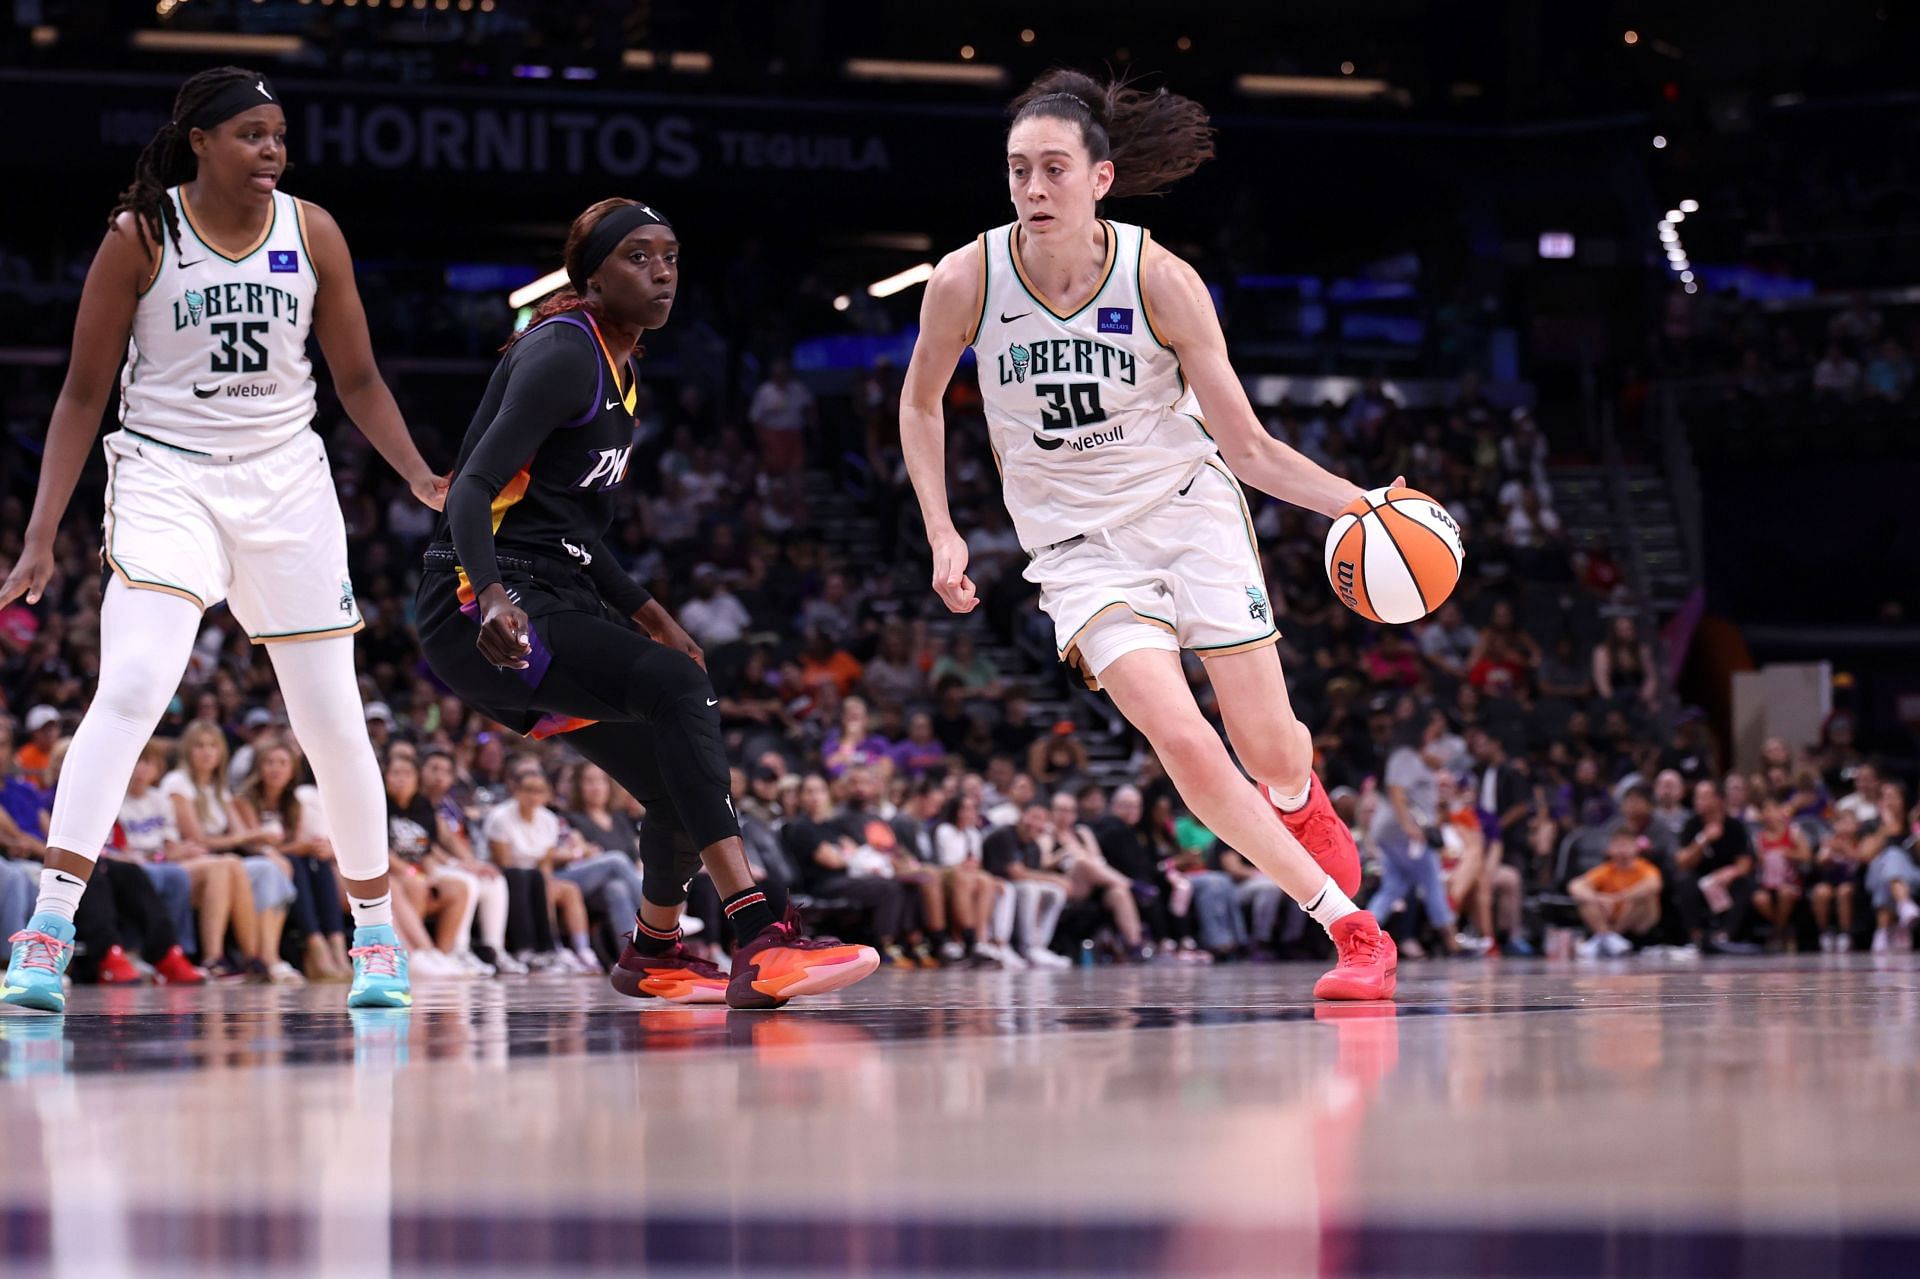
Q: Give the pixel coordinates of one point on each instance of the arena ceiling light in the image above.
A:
(268, 46)
(528, 294)
(687, 60)
(900, 70)
(1311, 86)
(1689, 206)
(903, 280)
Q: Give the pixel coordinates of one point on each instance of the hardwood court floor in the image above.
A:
(1505, 1118)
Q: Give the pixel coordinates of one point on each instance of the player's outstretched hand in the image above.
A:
(30, 575)
(432, 490)
(950, 578)
(503, 630)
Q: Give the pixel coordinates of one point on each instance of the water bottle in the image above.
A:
(1086, 953)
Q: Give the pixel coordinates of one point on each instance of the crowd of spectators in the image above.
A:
(920, 781)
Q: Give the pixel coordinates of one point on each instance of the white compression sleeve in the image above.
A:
(317, 683)
(145, 640)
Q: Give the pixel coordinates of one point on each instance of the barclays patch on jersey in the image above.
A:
(286, 260)
(1114, 319)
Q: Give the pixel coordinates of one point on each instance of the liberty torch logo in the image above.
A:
(196, 304)
(1019, 355)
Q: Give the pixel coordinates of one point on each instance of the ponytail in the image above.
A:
(168, 159)
(1154, 139)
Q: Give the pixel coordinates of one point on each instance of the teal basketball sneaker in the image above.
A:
(41, 952)
(379, 970)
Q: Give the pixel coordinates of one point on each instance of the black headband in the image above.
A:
(241, 95)
(606, 237)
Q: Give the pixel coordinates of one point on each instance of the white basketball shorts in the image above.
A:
(1186, 574)
(262, 532)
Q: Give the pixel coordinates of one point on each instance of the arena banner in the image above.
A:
(512, 131)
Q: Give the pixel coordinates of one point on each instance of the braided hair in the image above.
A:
(1154, 139)
(168, 160)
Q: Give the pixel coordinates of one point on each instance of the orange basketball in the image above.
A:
(1394, 555)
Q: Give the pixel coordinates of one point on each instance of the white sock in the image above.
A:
(372, 913)
(1329, 905)
(59, 894)
(1290, 803)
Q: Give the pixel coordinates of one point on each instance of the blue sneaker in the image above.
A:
(379, 970)
(41, 953)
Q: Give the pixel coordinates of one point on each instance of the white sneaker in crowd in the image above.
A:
(1011, 959)
(1041, 958)
(1882, 940)
(473, 964)
(509, 965)
(1614, 946)
(952, 950)
(590, 962)
(284, 974)
(1587, 948)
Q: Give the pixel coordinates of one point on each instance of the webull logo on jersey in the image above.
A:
(608, 470)
(1068, 355)
(234, 299)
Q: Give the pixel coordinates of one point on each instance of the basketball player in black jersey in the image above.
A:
(525, 613)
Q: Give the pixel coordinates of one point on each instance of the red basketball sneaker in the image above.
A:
(677, 976)
(175, 969)
(1320, 830)
(1368, 961)
(117, 970)
(783, 962)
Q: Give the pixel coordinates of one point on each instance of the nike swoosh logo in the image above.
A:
(1190, 484)
(613, 404)
(713, 701)
(1009, 319)
(195, 262)
(207, 394)
(1048, 444)
(68, 879)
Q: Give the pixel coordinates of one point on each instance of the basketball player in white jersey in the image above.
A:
(209, 281)
(1119, 428)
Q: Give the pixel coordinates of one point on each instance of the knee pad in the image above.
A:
(668, 860)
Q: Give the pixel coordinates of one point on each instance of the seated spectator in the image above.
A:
(986, 929)
(1836, 376)
(1409, 855)
(35, 755)
(147, 839)
(1015, 735)
(1503, 647)
(1836, 881)
(1670, 811)
(1477, 879)
(950, 924)
(218, 845)
(1618, 899)
(1715, 869)
(1623, 666)
(1893, 875)
(921, 752)
(1783, 859)
(893, 677)
(833, 863)
(1563, 675)
(287, 815)
(952, 721)
(870, 820)
(1531, 524)
(22, 799)
(527, 841)
(1069, 849)
(1889, 373)
(823, 663)
(833, 611)
(1013, 854)
(430, 875)
(1392, 663)
(977, 674)
(1059, 759)
(1006, 809)
(781, 411)
(853, 744)
(714, 616)
(1447, 642)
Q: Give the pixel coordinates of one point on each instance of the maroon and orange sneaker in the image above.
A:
(1368, 961)
(783, 962)
(1320, 830)
(175, 969)
(678, 976)
(117, 970)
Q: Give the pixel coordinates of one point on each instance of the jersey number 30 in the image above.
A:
(1075, 404)
(230, 358)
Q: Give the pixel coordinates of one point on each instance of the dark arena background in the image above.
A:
(1632, 288)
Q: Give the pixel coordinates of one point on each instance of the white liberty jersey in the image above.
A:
(217, 362)
(1091, 419)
